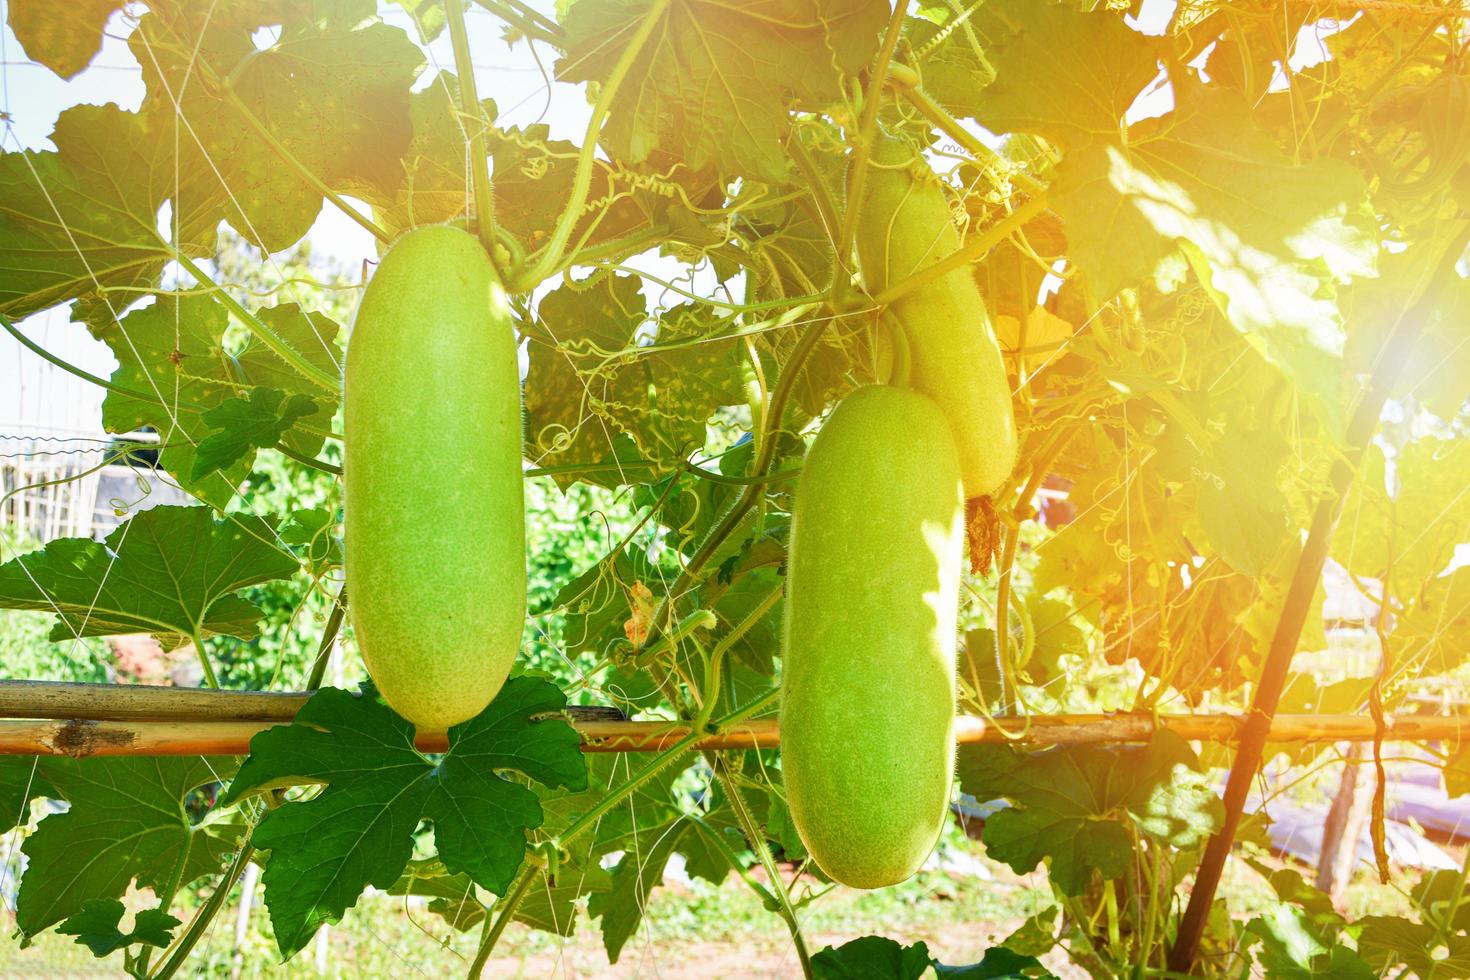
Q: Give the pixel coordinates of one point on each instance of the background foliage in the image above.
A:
(1206, 241)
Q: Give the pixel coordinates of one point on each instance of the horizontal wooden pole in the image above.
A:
(141, 702)
(42, 718)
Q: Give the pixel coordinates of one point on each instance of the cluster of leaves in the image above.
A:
(1196, 243)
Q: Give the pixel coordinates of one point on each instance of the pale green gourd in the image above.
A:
(904, 225)
(435, 514)
(868, 668)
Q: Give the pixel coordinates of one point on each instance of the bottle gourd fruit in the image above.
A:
(868, 669)
(904, 226)
(435, 519)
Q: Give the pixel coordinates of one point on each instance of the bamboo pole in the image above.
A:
(82, 720)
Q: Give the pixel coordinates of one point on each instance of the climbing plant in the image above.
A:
(1220, 244)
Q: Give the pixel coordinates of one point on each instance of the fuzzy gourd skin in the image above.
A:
(868, 668)
(904, 226)
(435, 514)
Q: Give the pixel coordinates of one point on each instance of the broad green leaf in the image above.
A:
(1036, 936)
(360, 830)
(620, 909)
(169, 571)
(336, 99)
(1319, 916)
(64, 38)
(872, 958)
(1267, 236)
(788, 239)
(550, 905)
(1292, 950)
(1386, 941)
(1241, 505)
(452, 897)
(98, 927)
(575, 389)
(243, 425)
(126, 821)
(647, 828)
(955, 63)
(759, 646)
(1061, 73)
(1414, 531)
(714, 82)
(431, 188)
(998, 963)
(1075, 846)
(313, 535)
(84, 217)
(428, 16)
(591, 378)
(1055, 632)
(1432, 634)
(534, 177)
(1072, 804)
(174, 357)
(312, 335)
(599, 602)
(1440, 898)
(22, 779)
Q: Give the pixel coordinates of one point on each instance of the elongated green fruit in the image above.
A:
(868, 674)
(904, 226)
(435, 513)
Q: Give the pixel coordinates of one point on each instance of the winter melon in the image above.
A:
(868, 669)
(435, 519)
(904, 226)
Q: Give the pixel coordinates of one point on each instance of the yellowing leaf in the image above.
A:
(715, 81)
(1061, 73)
(1266, 236)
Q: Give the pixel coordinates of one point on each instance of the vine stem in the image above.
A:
(67, 366)
(527, 20)
(257, 327)
(1039, 470)
(493, 929)
(1401, 338)
(748, 495)
(469, 100)
(867, 125)
(757, 840)
(209, 678)
(906, 81)
(329, 638)
(587, 157)
(205, 914)
(966, 253)
(302, 170)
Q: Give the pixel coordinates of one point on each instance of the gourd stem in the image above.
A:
(256, 326)
(969, 252)
(867, 127)
(329, 639)
(529, 22)
(474, 116)
(587, 158)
